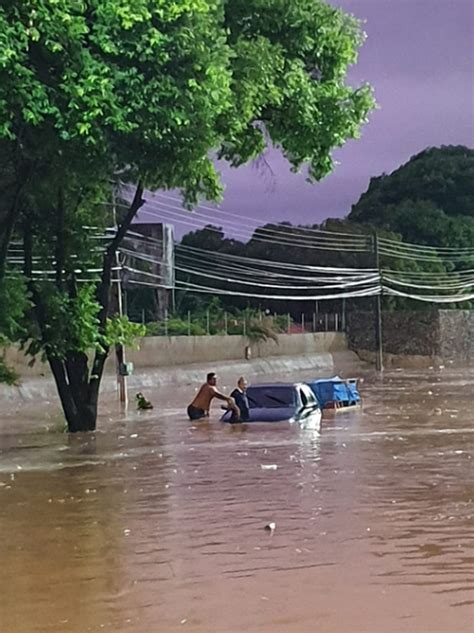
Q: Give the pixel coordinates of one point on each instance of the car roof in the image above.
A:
(276, 384)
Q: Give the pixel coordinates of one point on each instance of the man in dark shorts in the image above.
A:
(199, 407)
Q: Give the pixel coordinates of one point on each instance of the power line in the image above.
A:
(444, 250)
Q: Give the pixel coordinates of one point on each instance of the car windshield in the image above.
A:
(270, 397)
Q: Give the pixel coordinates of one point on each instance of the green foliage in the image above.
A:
(429, 200)
(148, 89)
(212, 313)
(121, 331)
(289, 62)
(71, 324)
(258, 331)
(175, 326)
(14, 303)
(112, 77)
(7, 374)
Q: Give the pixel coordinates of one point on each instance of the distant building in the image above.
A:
(149, 276)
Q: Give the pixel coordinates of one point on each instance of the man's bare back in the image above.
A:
(205, 396)
(199, 407)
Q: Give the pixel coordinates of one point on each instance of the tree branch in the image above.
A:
(103, 290)
(60, 241)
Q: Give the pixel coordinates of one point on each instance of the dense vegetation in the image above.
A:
(428, 200)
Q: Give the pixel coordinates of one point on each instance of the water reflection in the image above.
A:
(153, 524)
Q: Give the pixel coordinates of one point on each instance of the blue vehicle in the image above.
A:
(336, 393)
(277, 402)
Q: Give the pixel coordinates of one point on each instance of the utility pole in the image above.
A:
(119, 348)
(173, 289)
(378, 313)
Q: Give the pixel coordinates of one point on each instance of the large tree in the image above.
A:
(148, 91)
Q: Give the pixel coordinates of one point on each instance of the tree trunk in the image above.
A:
(11, 216)
(79, 404)
(78, 391)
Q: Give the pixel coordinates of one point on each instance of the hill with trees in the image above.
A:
(428, 200)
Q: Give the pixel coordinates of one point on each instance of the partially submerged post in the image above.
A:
(120, 359)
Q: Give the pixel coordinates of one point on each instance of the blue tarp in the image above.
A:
(335, 390)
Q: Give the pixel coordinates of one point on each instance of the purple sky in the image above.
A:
(419, 58)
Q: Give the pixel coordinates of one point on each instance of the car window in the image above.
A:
(270, 397)
(304, 399)
(307, 397)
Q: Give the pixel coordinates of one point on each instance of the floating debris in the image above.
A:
(269, 466)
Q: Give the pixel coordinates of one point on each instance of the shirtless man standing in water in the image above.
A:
(199, 407)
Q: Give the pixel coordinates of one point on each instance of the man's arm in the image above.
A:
(230, 401)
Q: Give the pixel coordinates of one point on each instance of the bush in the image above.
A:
(7, 375)
(174, 327)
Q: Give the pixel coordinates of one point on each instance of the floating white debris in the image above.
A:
(183, 621)
(270, 527)
(126, 531)
(269, 466)
(133, 436)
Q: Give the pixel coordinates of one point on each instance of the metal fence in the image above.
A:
(226, 323)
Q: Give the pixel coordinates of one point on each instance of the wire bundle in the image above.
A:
(213, 272)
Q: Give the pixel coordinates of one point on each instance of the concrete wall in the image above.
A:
(457, 335)
(174, 351)
(184, 350)
(434, 335)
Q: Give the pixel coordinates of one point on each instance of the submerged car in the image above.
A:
(336, 394)
(277, 402)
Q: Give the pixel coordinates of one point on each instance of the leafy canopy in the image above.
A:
(150, 88)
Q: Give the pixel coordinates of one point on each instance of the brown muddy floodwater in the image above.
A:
(154, 525)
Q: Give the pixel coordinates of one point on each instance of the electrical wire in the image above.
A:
(412, 247)
(240, 217)
(255, 272)
(356, 293)
(290, 232)
(273, 264)
(429, 298)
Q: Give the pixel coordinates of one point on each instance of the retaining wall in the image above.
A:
(433, 335)
(174, 351)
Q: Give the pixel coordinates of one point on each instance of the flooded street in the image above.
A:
(155, 525)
